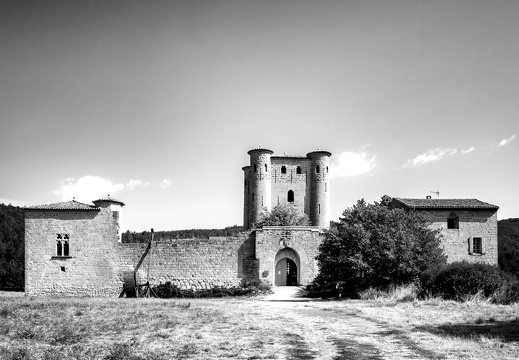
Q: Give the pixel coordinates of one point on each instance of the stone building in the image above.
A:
(468, 226)
(302, 181)
(73, 248)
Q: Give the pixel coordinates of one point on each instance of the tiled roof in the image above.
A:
(68, 205)
(109, 199)
(445, 204)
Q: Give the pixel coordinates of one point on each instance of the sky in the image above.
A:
(156, 103)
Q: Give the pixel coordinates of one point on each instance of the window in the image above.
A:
(476, 246)
(255, 168)
(283, 170)
(453, 221)
(266, 168)
(290, 196)
(317, 169)
(298, 170)
(62, 245)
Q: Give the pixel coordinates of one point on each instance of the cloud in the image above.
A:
(132, 184)
(87, 188)
(351, 164)
(506, 141)
(469, 150)
(165, 184)
(430, 155)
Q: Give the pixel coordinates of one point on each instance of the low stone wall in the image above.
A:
(193, 264)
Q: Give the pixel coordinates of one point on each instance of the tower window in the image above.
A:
(317, 169)
(255, 168)
(290, 197)
(266, 168)
(298, 170)
(283, 169)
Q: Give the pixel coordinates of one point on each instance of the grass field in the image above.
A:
(248, 328)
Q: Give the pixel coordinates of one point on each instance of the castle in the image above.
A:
(74, 249)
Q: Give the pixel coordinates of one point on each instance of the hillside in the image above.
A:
(508, 240)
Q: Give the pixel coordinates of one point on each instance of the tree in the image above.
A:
(12, 252)
(374, 245)
(283, 215)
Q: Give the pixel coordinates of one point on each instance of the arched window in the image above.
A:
(453, 221)
(59, 248)
(283, 169)
(317, 169)
(290, 196)
(65, 248)
(298, 170)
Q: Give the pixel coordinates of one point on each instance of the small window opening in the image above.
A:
(255, 168)
(325, 187)
(59, 249)
(245, 182)
(477, 246)
(266, 168)
(65, 248)
(62, 268)
(290, 196)
(453, 221)
(319, 208)
(283, 170)
(298, 170)
(317, 169)
(327, 169)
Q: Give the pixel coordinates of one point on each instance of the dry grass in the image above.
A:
(80, 328)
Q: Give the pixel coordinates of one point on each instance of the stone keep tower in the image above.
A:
(303, 181)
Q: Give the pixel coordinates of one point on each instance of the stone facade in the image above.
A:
(468, 226)
(73, 249)
(301, 181)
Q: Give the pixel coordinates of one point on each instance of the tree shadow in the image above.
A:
(506, 331)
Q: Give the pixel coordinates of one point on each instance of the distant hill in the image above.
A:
(145, 236)
(508, 244)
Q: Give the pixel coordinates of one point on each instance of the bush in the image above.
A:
(464, 281)
(169, 290)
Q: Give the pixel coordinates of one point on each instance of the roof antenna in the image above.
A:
(437, 193)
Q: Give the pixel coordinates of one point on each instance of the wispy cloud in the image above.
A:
(132, 184)
(165, 184)
(429, 156)
(469, 150)
(351, 164)
(505, 142)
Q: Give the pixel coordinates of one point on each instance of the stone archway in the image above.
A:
(287, 268)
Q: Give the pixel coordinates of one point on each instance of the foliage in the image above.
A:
(169, 290)
(508, 245)
(374, 245)
(283, 215)
(12, 252)
(463, 280)
(145, 236)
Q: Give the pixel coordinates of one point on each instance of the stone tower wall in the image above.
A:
(298, 183)
(320, 189)
(259, 178)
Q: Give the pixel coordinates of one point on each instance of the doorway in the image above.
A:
(286, 273)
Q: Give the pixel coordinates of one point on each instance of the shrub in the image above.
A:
(169, 290)
(463, 281)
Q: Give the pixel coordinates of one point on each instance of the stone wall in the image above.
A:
(303, 240)
(89, 270)
(472, 223)
(96, 260)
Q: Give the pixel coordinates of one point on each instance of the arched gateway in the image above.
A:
(287, 265)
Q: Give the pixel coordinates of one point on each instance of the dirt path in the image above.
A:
(314, 331)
